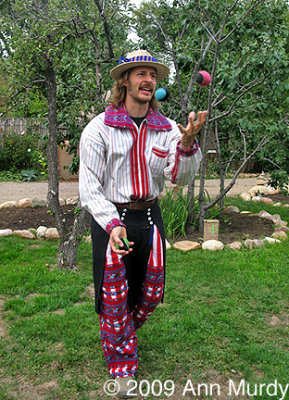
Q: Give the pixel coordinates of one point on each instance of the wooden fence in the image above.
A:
(20, 125)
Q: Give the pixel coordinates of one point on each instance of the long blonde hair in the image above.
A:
(119, 92)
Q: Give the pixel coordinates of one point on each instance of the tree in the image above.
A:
(42, 36)
(242, 45)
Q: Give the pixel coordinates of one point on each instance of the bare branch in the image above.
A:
(262, 143)
(256, 83)
(244, 141)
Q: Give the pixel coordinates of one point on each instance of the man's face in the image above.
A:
(141, 84)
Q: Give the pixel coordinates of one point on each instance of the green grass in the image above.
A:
(215, 323)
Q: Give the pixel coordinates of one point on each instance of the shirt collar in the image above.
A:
(119, 118)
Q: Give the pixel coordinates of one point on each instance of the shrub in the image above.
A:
(16, 152)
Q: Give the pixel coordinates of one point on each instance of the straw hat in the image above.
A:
(139, 58)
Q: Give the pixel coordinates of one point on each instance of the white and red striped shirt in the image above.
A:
(120, 162)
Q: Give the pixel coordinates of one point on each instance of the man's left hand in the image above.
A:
(192, 129)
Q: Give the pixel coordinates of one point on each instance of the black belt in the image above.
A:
(137, 205)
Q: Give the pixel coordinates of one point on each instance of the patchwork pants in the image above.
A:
(118, 322)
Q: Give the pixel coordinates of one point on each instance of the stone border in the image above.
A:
(42, 232)
(280, 233)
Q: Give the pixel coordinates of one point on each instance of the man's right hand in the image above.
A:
(116, 234)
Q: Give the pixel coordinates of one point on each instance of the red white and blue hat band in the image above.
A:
(139, 58)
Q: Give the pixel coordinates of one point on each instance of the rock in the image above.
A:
(245, 196)
(235, 245)
(88, 239)
(6, 232)
(256, 198)
(272, 240)
(286, 205)
(249, 244)
(41, 231)
(273, 191)
(72, 200)
(62, 202)
(278, 204)
(261, 182)
(25, 233)
(38, 203)
(168, 246)
(233, 210)
(279, 235)
(260, 189)
(246, 212)
(265, 214)
(276, 219)
(253, 192)
(282, 229)
(51, 233)
(187, 245)
(283, 223)
(258, 242)
(8, 204)
(24, 203)
(266, 200)
(212, 245)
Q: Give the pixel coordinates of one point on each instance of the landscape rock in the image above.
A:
(258, 242)
(278, 204)
(272, 240)
(212, 245)
(233, 210)
(24, 203)
(6, 232)
(286, 205)
(72, 200)
(245, 196)
(41, 231)
(25, 233)
(246, 212)
(62, 202)
(260, 189)
(283, 223)
(88, 239)
(249, 243)
(235, 245)
(256, 198)
(267, 201)
(282, 228)
(51, 233)
(8, 204)
(265, 214)
(187, 245)
(38, 203)
(279, 235)
(276, 219)
(261, 182)
(168, 246)
(253, 192)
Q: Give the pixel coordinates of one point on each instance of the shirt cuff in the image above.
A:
(113, 224)
(188, 153)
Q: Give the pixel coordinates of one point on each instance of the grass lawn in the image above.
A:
(225, 318)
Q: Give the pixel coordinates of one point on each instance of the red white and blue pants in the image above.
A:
(119, 323)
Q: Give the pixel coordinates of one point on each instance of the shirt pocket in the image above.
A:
(158, 160)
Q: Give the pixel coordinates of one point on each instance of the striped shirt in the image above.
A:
(120, 162)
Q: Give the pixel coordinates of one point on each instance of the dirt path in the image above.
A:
(21, 190)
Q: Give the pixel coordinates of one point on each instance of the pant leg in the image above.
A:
(118, 336)
(153, 286)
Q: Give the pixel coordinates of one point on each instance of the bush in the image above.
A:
(17, 151)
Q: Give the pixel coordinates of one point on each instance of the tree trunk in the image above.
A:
(68, 242)
(67, 252)
(52, 159)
